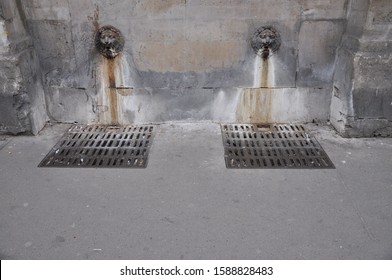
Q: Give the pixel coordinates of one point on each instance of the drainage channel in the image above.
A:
(275, 146)
(100, 146)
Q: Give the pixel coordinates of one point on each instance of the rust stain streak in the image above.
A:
(255, 106)
(112, 92)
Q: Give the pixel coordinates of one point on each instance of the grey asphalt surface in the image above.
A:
(187, 205)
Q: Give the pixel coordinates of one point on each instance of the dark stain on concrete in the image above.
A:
(112, 91)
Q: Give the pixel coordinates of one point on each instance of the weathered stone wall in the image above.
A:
(187, 59)
(22, 103)
(362, 97)
(192, 60)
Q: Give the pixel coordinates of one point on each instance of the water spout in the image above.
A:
(111, 84)
(263, 76)
(265, 41)
(109, 41)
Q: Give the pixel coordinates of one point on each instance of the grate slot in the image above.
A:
(102, 147)
(273, 146)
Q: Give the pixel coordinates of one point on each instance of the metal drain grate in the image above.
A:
(272, 146)
(102, 146)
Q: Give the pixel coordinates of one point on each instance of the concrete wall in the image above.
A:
(191, 60)
(187, 60)
(362, 95)
(22, 103)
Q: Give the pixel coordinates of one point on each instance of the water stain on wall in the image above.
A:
(113, 75)
(263, 73)
(254, 106)
(112, 80)
(112, 92)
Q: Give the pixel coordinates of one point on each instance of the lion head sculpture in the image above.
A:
(109, 41)
(265, 41)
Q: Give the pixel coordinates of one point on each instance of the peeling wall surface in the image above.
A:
(191, 60)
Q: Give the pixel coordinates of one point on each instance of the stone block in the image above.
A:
(318, 41)
(152, 9)
(10, 76)
(356, 18)
(267, 10)
(159, 105)
(373, 103)
(184, 56)
(14, 114)
(380, 12)
(32, 85)
(56, 10)
(373, 71)
(54, 45)
(69, 105)
(323, 10)
(367, 128)
(344, 73)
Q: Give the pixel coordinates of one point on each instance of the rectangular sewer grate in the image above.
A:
(100, 146)
(276, 146)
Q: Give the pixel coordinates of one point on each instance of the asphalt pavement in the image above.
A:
(187, 205)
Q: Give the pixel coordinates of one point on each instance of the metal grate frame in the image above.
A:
(275, 146)
(100, 146)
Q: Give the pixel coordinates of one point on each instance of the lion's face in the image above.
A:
(265, 40)
(267, 37)
(109, 41)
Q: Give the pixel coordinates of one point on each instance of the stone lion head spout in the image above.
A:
(265, 41)
(109, 41)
